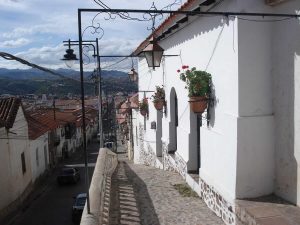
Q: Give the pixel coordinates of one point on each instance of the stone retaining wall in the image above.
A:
(100, 189)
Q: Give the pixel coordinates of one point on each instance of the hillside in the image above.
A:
(20, 82)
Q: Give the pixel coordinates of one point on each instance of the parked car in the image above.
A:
(110, 145)
(68, 175)
(78, 207)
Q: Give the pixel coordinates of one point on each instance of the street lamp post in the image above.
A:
(99, 95)
(70, 57)
(80, 34)
(95, 45)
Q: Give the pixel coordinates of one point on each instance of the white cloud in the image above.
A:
(14, 43)
(45, 56)
(118, 46)
(17, 4)
(48, 23)
(50, 57)
(63, 24)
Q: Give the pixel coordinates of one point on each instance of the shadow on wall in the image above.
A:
(286, 90)
(173, 124)
(212, 107)
(194, 149)
(194, 161)
(159, 133)
(130, 200)
(195, 29)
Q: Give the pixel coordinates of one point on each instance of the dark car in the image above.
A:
(78, 207)
(68, 176)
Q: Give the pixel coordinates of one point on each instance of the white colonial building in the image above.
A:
(15, 166)
(250, 147)
(39, 147)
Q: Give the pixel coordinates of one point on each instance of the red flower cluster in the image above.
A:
(183, 67)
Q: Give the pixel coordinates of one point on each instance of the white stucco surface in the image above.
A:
(39, 161)
(285, 71)
(251, 147)
(12, 144)
(203, 44)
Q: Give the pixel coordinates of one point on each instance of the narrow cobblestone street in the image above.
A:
(146, 195)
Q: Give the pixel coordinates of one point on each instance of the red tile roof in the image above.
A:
(121, 118)
(35, 128)
(134, 101)
(43, 120)
(8, 111)
(76, 103)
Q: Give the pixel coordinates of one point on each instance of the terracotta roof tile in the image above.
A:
(134, 100)
(8, 111)
(52, 119)
(121, 118)
(35, 128)
(43, 120)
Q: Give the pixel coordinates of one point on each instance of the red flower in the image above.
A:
(178, 71)
(183, 67)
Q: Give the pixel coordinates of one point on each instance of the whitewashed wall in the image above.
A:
(209, 44)
(13, 182)
(40, 160)
(136, 152)
(252, 146)
(61, 143)
(255, 147)
(79, 137)
(286, 99)
(273, 56)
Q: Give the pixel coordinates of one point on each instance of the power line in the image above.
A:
(8, 56)
(265, 20)
(111, 65)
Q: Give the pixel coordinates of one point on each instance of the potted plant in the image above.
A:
(198, 84)
(143, 105)
(159, 98)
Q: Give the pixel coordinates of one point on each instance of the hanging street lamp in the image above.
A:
(153, 54)
(133, 75)
(69, 57)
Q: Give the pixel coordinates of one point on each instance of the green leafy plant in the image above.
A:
(185, 190)
(159, 94)
(143, 105)
(197, 81)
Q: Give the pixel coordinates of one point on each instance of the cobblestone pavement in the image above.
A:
(145, 195)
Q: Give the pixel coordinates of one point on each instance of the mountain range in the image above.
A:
(33, 81)
(18, 74)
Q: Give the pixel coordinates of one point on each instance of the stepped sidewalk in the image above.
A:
(146, 195)
(267, 210)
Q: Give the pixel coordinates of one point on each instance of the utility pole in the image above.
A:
(115, 124)
(99, 95)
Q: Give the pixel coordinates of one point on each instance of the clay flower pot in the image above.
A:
(143, 112)
(198, 104)
(159, 105)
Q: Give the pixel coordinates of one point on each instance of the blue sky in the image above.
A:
(34, 29)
